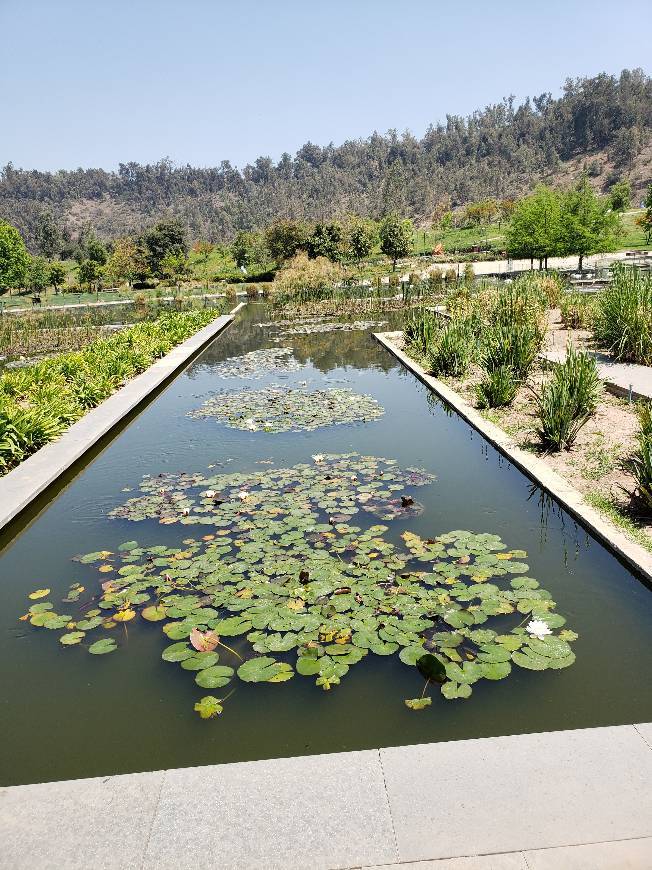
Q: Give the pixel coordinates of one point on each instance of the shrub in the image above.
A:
(420, 328)
(510, 345)
(624, 315)
(304, 280)
(577, 310)
(520, 303)
(452, 350)
(568, 400)
(435, 280)
(641, 462)
(498, 388)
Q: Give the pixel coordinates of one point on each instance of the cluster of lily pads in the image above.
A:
(285, 409)
(313, 328)
(284, 583)
(319, 323)
(258, 363)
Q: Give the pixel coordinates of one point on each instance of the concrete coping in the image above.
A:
(634, 555)
(19, 487)
(571, 799)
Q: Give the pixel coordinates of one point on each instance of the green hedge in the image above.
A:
(39, 402)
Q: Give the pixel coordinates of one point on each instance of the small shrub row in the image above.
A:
(624, 316)
(568, 400)
(641, 462)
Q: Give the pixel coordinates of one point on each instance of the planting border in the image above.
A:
(19, 487)
(633, 554)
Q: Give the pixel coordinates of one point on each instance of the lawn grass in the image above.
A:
(633, 237)
(455, 239)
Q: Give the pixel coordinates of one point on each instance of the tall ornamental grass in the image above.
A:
(641, 462)
(568, 401)
(38, 402)
(624, 316)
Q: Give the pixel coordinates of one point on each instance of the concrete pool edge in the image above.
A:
(521, 801)
(633, 554)
(21, 486)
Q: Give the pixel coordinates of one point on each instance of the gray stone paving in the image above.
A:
(573, 800)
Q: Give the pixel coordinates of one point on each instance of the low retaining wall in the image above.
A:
(21, 486)
(633, 554)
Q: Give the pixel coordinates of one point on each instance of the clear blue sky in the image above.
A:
(99, 82)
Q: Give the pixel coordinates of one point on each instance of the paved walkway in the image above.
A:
(494, 267)
(620, 378)
(562, 800)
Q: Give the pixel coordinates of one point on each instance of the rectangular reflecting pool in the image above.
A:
(350, 542)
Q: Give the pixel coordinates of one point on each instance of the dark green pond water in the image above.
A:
(65, 714)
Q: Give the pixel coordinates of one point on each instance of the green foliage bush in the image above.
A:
(568, 400)
(641, 462)
(452, 350)
(420, 328)
(497, 388)
(577, 310)
(513, 346)
(624, 316)
(38, 402)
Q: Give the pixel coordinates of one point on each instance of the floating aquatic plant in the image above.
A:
(258, 363)
(283, 409)
(284, 583)
(314, 325)
(313, 328)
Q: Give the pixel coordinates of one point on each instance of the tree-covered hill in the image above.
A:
(601, 124)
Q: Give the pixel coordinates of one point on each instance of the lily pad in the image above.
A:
(102, 646)
(418, 703)
(264, 670)
(214, 677)
(209, 707)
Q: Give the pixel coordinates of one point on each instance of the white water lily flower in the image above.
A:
(251, 424)
(537, 628)
(318, 457)
(210, 493)
(243, 494)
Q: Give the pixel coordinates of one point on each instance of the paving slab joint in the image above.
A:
(389, 805)
(641, 734)
(153, 819)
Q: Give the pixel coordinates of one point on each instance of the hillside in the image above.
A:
(601, 124)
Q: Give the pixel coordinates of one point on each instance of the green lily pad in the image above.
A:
(199, 661)
(214, 677)
(102, 646)
(177, 652)
(209, 707)
(418, 703)
(264, 670)
(72, 638)
(452, 691)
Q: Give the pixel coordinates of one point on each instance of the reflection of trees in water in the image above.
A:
(326, 350)
(331, 350)
(574, 536)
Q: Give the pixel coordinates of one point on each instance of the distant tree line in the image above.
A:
(493, 155)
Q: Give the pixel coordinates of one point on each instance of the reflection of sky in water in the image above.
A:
(67, 714)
